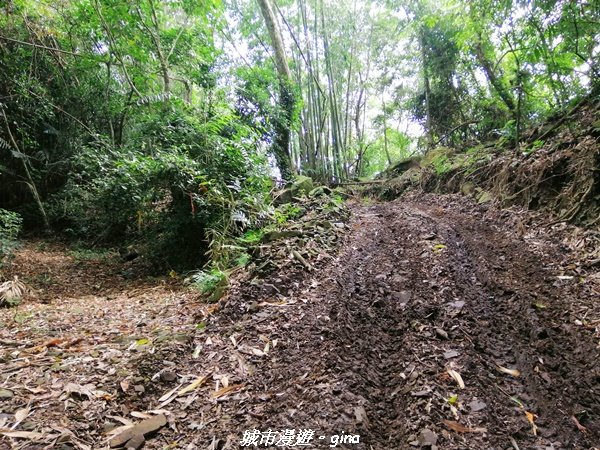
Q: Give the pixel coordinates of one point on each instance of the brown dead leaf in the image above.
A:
(459, 428)
(73, 342)
(226, 390)
(212, 309)
(580, 427)
(531, 419)
(144, 427)
(31, 435)
(52, 343)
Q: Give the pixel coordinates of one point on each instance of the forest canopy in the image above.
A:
(168, 123)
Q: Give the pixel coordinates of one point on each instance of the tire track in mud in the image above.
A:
(420, 288)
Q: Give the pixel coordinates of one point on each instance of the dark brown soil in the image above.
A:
(426, 292)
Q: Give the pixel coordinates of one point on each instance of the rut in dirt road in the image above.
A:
(418, 295)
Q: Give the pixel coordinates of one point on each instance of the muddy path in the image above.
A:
(439, 324)
(422, 291)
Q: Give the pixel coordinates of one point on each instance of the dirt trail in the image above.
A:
(425, 293)
(422, 287)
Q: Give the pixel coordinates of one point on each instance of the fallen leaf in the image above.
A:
(580, 427)
(452, 400)
(119, 430)
(144, 427)
(450, 354)
(21, 415)
(52, 343)
(197, 351)
(226, 390)
(454, 411)
(169, 394)
(72, 388)
(31, 435)
(427, 438)
(454, 374)
(360, 413)
(122, 420)
(514, 443)
(459, 428)
(225, 381)
(281, 303)
(477, 405)
(5, 393)
(124, 385)
(513, 372)
(531, 419)
(193, 385)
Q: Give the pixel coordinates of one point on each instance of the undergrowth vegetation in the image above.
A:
(10, 226)
(555, 168)
(176, 192)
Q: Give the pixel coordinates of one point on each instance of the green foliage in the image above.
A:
(442, 160)
(251, 236)
(533, 147)
(207, 282)
(375, 157)
(81, 253)
(176, 185)
(10, 226)
(287, 212)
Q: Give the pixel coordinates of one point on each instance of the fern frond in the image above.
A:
(11, 292)
(154, 98)
(5, 145)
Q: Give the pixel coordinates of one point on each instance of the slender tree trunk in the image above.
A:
(494, 81)
(427, 87)
(385, 139)
(28, 178)
(428, 122)
(281, 142)
(333, 104)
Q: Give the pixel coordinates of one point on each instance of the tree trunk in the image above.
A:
(281, 142)
(496, 83)
(428, 123)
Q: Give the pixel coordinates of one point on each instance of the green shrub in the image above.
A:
(184, 189)
(211, 283)
(10, 225)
